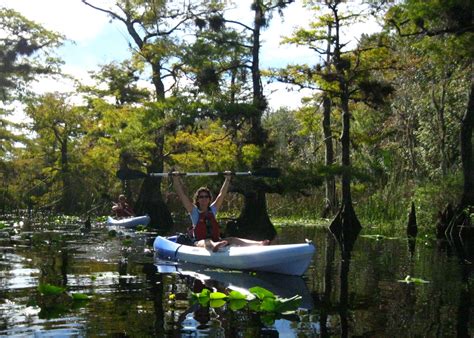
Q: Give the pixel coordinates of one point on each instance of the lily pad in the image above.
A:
(409, 279)
(50, 290)
(261, 293)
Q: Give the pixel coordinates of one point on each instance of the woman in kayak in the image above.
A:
(205, 229)
(122, 208)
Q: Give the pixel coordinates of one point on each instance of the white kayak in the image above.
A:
(129, 222)
(288, 259)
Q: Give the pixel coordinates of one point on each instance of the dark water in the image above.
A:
(130, 297)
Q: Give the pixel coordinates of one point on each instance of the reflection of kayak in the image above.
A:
(129, 221)
(281, 285)
(288, 259)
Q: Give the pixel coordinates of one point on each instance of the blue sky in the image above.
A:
(98, 41)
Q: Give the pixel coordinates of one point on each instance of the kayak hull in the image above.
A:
(288, 259)
(129, 222)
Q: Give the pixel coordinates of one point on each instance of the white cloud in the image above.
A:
(283, 95)
(69, 17)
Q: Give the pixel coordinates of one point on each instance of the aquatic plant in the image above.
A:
(409, 279)
(79, 296)
(50, 290)
(260, 300)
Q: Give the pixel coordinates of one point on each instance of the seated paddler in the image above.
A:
(203, 210)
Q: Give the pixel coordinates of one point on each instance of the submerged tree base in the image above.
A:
(455, 226)
(255, 229)
(346, 227)
(254, 222)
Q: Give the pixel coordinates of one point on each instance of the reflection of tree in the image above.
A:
(328, 274)
(346, 244)
(155, 281)
(344, 297)
(464, 306)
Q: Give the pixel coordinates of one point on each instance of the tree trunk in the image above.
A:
(346, 226)
(467, 126)
(67, 196)
(330, 183)
(150, 201)
(254, 221)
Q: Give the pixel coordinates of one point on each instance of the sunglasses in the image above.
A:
(204, 196)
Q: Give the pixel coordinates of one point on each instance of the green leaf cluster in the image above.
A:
(262, 300)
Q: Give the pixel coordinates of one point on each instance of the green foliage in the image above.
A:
(127, 242)
(407, 151)
(80, 297)
(121, 80)
(50, 290)
(207, 149)
(25, 52)
(263, 301)
(433, 196)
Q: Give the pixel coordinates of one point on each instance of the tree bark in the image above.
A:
(345, 226)
(150, 200)
(330, 182)
(67, 196)
(467, 126)
(254, 221)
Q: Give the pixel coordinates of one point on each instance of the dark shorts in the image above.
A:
(185, 239)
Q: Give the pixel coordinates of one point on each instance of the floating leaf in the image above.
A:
(237, 304)
(288, 304)
(236, 295)
(217, 295)
(50, 290)
(215, 303)
(379, 237)
(261, 293)
(254, 305)
(408, 279)
(202, 297)
(268, 304)
(80, 296)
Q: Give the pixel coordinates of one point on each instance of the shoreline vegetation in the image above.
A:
(384, 131)
(385, 212)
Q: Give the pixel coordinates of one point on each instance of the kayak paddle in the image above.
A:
(130, 174)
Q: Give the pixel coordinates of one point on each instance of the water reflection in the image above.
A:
(129, 295)
(284, 286)
(182, 317)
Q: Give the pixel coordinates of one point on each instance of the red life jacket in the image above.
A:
(207, 227)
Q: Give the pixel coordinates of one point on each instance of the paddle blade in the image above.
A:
(130, 174)
(267, 172)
